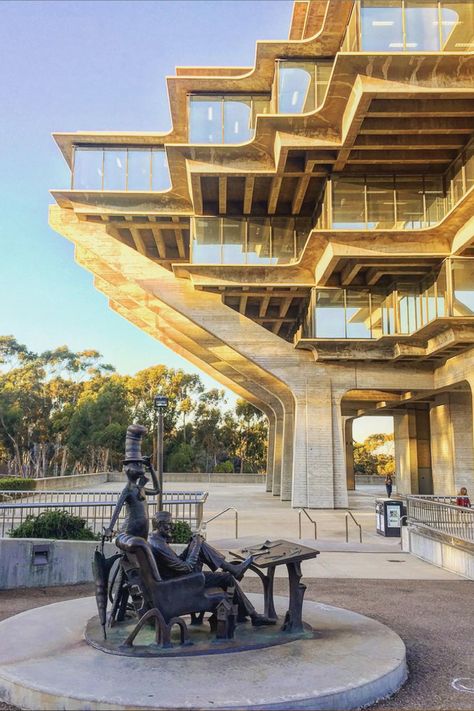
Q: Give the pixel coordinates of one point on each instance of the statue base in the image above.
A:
(201, 639)
(350, 662)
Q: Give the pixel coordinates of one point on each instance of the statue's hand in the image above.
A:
(147, 461)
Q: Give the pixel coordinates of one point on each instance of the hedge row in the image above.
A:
(12, 483)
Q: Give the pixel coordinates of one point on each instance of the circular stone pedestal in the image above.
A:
(351, 661)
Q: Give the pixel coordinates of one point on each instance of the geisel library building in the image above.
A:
(304, 234)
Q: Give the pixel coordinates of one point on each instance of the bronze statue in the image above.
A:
(199, 552)
(133, 497)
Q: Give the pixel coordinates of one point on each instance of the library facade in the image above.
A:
(305, 235)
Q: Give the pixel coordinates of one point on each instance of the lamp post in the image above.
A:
(161, 403)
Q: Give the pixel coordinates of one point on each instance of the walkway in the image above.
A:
(263, 516)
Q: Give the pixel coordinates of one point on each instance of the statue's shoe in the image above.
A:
(262, 620)
(238, 569)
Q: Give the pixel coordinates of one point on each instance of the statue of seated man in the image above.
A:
(197, 553)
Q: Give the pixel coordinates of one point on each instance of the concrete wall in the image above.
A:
(443, 554)
(198, 478)
(74, 481)
(67, 562)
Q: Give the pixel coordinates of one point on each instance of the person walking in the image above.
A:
(389, 485)
(463, 499)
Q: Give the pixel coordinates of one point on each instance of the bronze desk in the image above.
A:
(267, 556)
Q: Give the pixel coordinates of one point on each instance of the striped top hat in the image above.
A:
(133, 444)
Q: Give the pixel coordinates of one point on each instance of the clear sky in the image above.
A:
(93, 65)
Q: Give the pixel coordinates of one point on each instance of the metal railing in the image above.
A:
(203, 526)
(454, 521)
(349, 514)
(96, 507)
(301, 511)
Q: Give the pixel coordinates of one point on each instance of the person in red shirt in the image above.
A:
(463, 499)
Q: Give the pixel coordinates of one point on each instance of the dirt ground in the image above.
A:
(433, 618)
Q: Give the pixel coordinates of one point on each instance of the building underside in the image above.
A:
(304, 234)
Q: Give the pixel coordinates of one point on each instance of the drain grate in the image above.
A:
(393, 560)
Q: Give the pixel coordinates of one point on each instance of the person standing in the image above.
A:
(463, 499)
(388, 485)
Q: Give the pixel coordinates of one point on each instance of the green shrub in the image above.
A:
(58, 524)
(181, 532)
(16, 483)
(224, 467)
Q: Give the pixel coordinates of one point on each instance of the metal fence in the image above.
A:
(96, 507)
(454, 521)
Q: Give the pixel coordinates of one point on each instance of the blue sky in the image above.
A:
(93, 65)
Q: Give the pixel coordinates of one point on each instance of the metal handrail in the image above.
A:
(349, 513)
(300, 511)
(229, 508)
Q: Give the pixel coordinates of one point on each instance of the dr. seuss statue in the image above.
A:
(133, 497)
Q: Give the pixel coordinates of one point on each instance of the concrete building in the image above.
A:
(304, 234)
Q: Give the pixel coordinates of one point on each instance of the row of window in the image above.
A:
(395, 201)
(404, 309)
(411, 26)
(222, 240)
(141, 169)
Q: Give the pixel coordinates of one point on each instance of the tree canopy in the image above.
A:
(64, 412)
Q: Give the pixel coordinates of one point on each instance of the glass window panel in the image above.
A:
(380, 202)
(435, 199)
(205, 120)
(348, 211)
(206, 243)
(330, 317)
(463, 287)
(303, 228)
(408, 314)
(441, 287)
(409, 192)
(283, 240)
(296, 87)
(258, 245)
(139, 169)
(376, 300)
(160, 171)
(381, 26)
(259, 106)
(115, 163)
(323, 72)
(469, 167)
(88, 167)
(422, 26)
(351, 40)
(457, 180)
(457, 25)
(237, 128)
(357, 314)
(388, 316)
(233, 235)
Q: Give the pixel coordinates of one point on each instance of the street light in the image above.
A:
(161, 403)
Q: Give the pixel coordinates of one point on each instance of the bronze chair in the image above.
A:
(165, 601)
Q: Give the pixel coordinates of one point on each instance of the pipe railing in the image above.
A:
(349, 513)
(453, 521)
(203, 526)
(300, 511)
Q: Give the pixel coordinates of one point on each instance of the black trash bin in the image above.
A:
(388, 516)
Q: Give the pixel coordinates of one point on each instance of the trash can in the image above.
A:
(388, 516)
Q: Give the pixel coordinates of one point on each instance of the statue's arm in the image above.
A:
(116, 513)
(154, 478)
(166, 557)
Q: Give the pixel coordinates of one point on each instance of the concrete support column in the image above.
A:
(442, 445)
(270, 454)
(349, 453)
(278, 455)
(338, 452)
(287, 456)
(412, 451)
(460, 405)
(313, 470)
